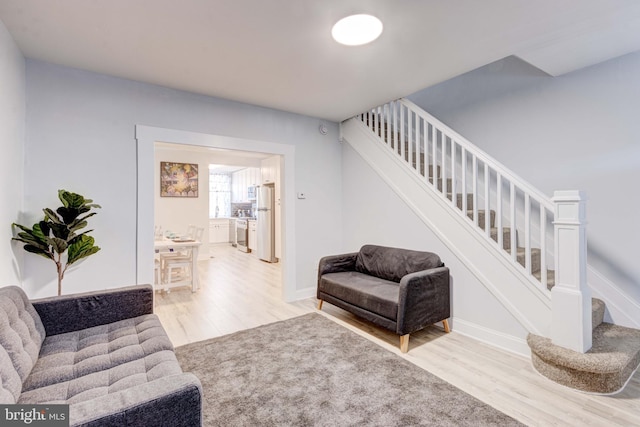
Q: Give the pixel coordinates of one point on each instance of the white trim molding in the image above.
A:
(491, 337)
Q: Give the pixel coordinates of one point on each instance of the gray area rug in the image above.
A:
(310, 371)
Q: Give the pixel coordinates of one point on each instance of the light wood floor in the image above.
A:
(238, 291)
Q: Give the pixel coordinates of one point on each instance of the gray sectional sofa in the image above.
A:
(105, 354)
(399, 289)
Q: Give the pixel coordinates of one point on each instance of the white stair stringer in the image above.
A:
(520, 295)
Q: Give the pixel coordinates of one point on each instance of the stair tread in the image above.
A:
(605, 368)
(613, 348)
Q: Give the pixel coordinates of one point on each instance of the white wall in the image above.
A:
(176, 213)
(81, 137)
(374, 214)
(577, 131)
(12, 122)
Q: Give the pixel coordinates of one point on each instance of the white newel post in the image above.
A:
(570, 297)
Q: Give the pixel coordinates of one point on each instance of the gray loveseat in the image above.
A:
(103, 353)
(399, 289)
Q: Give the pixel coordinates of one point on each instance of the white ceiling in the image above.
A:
(279, 53)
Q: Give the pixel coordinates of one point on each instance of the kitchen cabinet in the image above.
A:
(269, 168)
(238, 195)
(253, 177)
(240, 181)
(219, 230)
(253, 235)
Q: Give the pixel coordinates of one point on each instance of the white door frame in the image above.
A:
(147, 136)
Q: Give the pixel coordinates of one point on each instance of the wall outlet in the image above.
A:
(302, 195)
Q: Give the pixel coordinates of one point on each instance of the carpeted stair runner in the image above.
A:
(604, 369)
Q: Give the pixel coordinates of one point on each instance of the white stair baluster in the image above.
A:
(527, 233)
(402, 138)
(425, 143)
(443, 162)
(396, 105)
(487, 204)
(417, 140)
(499, 232)
(389, 120)
(512, 214)
(475, 189)
(543, 246)
(463, 170)
(454, 191)
(410, 137)
(434, 158)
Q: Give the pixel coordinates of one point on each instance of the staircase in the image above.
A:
(518, 227)
(422, 144)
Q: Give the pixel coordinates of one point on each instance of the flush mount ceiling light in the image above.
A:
(356, 30)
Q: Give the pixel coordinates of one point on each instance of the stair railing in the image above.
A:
(484, 192)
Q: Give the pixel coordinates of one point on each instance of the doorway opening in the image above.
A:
(147, 137)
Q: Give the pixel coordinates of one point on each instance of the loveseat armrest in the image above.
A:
(424, 299)
(68, 313)
(337, 263)
(172, 401)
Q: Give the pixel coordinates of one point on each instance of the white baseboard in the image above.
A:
(305, 293)
(620, 308)
(494, 338)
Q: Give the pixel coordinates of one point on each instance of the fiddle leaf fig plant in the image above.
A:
(57, 237)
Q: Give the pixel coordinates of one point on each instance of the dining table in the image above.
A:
(174, 245)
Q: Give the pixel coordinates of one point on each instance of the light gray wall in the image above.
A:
(12, 122)
(81, 137)
(176, 213)
(578, 131)
(375, 214)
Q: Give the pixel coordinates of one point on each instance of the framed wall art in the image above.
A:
(178, 179)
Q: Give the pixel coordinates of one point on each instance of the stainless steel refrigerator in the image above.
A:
(266, 223)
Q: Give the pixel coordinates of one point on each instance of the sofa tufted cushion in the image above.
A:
(102, 356)
(394, 263)
(108, 381)
(21, 336)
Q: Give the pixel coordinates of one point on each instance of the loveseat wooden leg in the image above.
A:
(404, 343)
(445, 324)
(319, 304)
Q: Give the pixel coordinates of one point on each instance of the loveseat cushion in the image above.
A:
(367, 292)
(21, 336)
(394, 263)
(94, 361)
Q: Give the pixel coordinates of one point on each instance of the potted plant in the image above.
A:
(57, 237)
